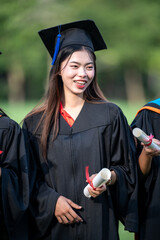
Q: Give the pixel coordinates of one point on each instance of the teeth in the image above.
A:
(81, 82)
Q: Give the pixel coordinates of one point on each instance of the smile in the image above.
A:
(80, 82)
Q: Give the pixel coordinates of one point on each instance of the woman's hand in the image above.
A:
(64, 211)
(145, 158)
(98, 191)
(149, 151)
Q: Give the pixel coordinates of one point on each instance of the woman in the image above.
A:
(148, 119)
(14, 197)
(76, 127)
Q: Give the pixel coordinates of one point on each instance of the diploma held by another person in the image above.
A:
(147, 140)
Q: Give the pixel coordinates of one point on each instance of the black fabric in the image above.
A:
(149, 188)
(97, 142)
(14, 181)
(3, 230)
(84, 33)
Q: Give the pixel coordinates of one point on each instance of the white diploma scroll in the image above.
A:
(101, 178)
(142, 137)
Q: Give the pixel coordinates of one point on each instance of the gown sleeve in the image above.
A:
(14, 180)
(43, 197)
(149, 122)
(123, 162)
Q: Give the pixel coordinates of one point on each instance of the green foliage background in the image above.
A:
(128, 70)
(130, 29)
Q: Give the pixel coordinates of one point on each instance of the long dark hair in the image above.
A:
(52, 99)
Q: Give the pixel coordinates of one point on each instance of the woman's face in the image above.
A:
(77, 72)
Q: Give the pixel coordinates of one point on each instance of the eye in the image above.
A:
(74, 66)
(90, 67)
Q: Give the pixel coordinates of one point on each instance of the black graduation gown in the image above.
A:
(100, 137)
(14, 181)
(149, 121)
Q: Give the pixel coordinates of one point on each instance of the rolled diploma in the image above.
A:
(101, 178)
(142, 137)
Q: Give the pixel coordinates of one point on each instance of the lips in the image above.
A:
(80, 82)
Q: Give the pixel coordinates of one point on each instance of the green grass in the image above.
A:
(129, 109)
(19, 110)
(125, 235)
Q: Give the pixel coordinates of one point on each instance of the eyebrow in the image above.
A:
(79, 63)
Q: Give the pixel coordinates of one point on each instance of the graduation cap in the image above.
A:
(84, 33)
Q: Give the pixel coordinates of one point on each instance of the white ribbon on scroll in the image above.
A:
(142, 137)
(101, 178)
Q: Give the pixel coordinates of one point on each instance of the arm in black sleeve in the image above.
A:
(14, 179)
(123, 162)
(43, 197)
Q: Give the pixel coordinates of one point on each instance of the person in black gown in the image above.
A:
(148, 119)
(77, 127)
(14, 183)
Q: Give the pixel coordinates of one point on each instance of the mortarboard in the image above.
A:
(84, 33)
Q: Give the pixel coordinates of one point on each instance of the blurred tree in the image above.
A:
(13, 23)
(24, 56)
(130, 28)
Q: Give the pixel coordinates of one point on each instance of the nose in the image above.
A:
(82, 72)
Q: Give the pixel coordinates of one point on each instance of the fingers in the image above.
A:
(76, 217)
(92, 176)
(62, 220)
(151, 152)
(64, 212)
(156, 141)
(66, 219)
(98, 191)
(69, 217)
(72, 204)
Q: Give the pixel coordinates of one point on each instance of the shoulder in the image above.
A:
(6, 122)
(106, 107)
(152, 107)
(148, 114)
(31, 122)
(9, 130)
(155, 103)
(105, 111)
(101, 104)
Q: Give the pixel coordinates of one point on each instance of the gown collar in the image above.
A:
(91, 115)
